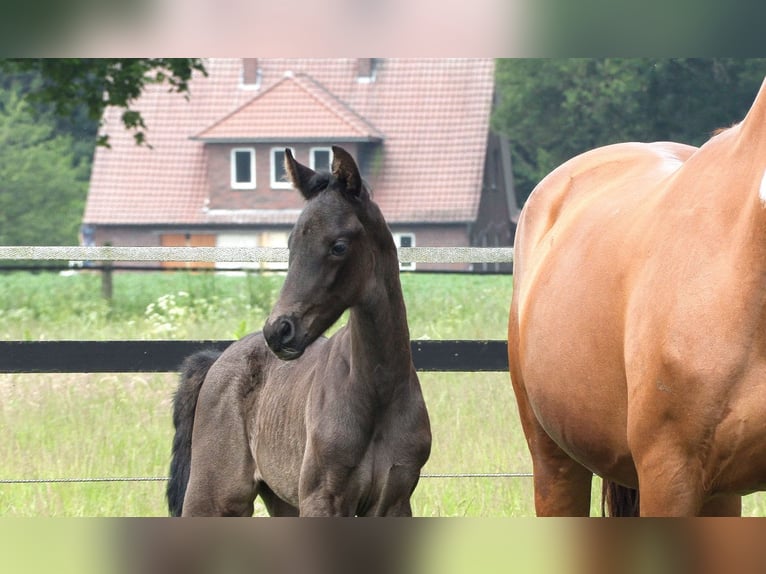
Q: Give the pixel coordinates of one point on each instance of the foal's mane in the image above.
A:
(321, 180)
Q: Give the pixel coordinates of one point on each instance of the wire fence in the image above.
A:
(165, 478)
(232, 255)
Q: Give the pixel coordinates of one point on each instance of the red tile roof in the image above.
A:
(432, 116)
(294, 108)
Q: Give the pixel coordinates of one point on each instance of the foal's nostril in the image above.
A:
(283, 338)
(286, 330)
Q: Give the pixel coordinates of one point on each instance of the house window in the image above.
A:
(243, 168)
(321, 158)
(405, 240)
(279, 179)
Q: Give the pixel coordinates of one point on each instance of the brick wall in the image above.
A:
(222, 196)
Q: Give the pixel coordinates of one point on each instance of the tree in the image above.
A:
(68, 83)
(552, 110)
(50, 111)
(42, 186)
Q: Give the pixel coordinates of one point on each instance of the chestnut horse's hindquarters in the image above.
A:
(637, 332)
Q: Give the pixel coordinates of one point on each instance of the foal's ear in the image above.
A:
(345, 170)
(303, 178)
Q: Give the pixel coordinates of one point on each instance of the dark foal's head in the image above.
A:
(333, 249)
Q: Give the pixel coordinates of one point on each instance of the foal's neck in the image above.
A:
(380, 337)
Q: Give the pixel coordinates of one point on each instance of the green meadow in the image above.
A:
(64, 426)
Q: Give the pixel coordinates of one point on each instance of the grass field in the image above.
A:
(118, 425)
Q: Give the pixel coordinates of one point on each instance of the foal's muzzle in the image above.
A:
(283, 339)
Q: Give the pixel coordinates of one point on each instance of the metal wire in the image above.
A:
(85, 480)
(478, 475)
(165, 478)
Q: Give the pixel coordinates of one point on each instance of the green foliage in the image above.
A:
(145, 306)
(42, 186)
(555, 109)
(68, 83)
(215, 306)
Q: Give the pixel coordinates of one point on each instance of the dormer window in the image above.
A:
(243, 168)
(320, 158)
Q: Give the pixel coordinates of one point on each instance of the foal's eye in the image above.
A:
(339, 248)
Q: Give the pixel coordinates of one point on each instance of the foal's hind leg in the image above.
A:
(221, 480)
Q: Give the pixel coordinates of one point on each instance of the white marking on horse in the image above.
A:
(670, 161)
(762, 190)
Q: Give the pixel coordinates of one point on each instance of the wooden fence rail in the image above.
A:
(239, 254)
(167, 355)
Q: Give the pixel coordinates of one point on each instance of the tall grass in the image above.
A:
(119, 425)
(64, 426)
(60, 426)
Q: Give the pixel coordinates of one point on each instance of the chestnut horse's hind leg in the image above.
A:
(562, 485)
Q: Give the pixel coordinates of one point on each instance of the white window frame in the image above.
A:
(409, 265)
(232, 160)
(312, 162)
(278, 184)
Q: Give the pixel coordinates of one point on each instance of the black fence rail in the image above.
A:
(167, 355)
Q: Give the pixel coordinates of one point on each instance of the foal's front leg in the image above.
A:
(326, 487)
(394, 498)
(325, 493)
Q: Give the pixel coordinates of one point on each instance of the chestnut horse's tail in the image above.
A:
(193, 373)
(618, 500)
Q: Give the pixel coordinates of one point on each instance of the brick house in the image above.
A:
(213, 175)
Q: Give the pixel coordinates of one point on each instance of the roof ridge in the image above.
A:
(335, 98)
(241, 107)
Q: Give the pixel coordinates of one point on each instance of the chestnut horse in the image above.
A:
(314, 426)
(637, 331)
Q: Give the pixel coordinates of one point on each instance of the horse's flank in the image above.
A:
(639, 299)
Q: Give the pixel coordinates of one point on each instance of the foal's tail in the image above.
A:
(618, 500)
(193, 372)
